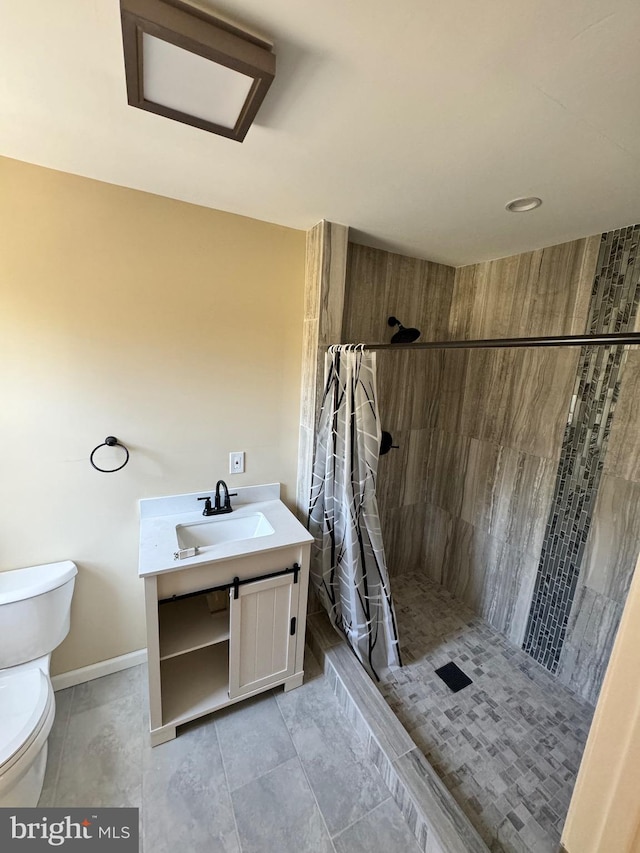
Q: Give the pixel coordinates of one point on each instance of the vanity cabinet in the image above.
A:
(223, 631)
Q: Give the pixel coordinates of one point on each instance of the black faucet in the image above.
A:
(218, 508)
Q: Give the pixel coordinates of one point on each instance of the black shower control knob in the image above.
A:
(386, 443)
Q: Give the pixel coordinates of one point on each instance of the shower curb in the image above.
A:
(434, 817)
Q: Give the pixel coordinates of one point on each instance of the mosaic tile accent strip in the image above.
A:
(614, 304)
(508, 746)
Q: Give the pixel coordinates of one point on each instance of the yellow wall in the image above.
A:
(604, 815)
(177, 329)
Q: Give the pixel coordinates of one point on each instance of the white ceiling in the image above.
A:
(414, 123)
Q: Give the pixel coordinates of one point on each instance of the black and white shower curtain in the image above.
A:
(348, 567)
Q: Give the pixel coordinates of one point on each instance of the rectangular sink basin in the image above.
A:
(217, 531)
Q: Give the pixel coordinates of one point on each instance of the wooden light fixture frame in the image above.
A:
(197, 32)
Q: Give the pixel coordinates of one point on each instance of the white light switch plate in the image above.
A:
(236, 462)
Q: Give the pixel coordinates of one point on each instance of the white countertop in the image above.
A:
(159, 517)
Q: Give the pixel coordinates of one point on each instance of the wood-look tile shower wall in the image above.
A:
(612, 546)
(467, 496)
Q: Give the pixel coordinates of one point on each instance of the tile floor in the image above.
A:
(507, 746)
(284, 772)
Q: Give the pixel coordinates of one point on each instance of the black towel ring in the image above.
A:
(109, 441)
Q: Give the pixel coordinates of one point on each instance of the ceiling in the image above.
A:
(413, 123)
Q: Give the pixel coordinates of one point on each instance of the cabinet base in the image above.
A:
(293, 682)
(158, 736)
(168, 732)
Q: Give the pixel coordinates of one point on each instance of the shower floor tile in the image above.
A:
(507, 746)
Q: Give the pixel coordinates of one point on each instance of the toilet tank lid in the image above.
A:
(23, 701)
(18, 584)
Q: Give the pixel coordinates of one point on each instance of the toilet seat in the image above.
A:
(27, 708)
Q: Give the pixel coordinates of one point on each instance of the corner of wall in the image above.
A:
(325, 270)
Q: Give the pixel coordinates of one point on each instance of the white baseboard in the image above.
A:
(97, 670)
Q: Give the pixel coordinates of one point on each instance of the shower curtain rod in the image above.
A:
(616, 339)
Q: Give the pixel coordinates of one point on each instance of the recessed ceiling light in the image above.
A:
(520, 205)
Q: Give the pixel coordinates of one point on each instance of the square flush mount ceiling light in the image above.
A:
(183, 63)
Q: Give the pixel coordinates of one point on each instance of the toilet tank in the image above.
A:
(35, 608)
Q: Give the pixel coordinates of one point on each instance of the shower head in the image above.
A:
(403, 335)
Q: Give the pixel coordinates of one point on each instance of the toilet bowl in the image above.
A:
(34, 619)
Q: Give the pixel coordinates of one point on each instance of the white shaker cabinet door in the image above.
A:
(262, 636)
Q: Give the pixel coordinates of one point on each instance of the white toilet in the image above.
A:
(34, 618)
